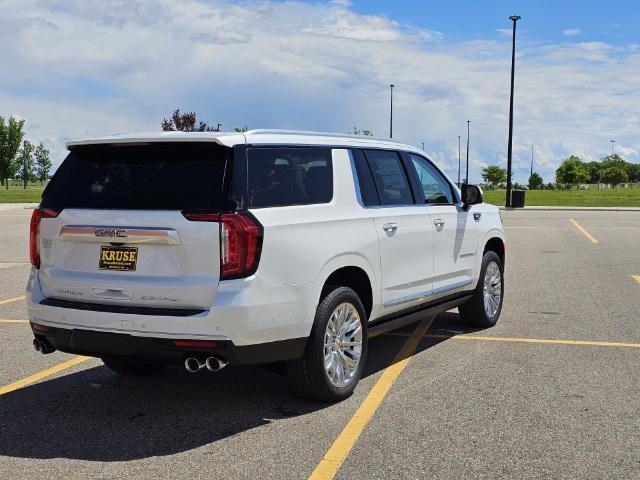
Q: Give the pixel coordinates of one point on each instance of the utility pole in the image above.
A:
(423, 146)
(391, 113)
(458, 161)
(466, 180)
(514, 19)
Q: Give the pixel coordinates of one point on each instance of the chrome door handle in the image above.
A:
(390, 227)
(438, 222)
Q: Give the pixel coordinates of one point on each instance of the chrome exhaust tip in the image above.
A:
(193, 365)
(215, 364)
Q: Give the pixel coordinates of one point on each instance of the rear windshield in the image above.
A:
(156, 176)
(289, 176)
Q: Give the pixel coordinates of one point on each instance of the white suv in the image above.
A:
(208, 249)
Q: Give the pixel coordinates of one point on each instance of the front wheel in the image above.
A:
(336, 351)
(483, 310)
(131, 367)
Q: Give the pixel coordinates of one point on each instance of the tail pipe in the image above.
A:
(193, 365)
(213, 364)
(42, 345)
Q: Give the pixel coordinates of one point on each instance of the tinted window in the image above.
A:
(390, 178)
(435, 186)
(289, 176)
(365, 179)
(155, 176)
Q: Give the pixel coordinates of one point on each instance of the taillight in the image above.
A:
(240, 241)
(34, 232)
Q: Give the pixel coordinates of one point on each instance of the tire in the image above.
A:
(474, 312)
(308, 375)
(132, 367)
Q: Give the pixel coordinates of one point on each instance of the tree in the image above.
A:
(241, 129)
(186, 122)
(25, 162)
(614, 176)
(11, 135)
(572, 171)
(43, 164)
(594, 171)
(613, 161)
(633, 171)
(357, 131)
(494, 175)
(535, 181)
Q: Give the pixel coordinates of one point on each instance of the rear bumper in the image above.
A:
(99, 344)
(246, 312)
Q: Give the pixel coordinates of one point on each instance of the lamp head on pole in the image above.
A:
(515, 18)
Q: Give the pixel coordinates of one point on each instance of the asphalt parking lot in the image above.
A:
(553, 391)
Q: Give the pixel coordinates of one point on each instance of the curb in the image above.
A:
(11, 206)
(575, 209)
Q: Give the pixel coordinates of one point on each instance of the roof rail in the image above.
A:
(268, 131)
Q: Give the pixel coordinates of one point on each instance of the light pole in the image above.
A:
(531, 161)
(612, 142)
(391, 113)
(466, 180)
(423, 146)
(514, 19)
(458, 161)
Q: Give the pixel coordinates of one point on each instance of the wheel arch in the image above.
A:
(496, 244)
(354, 277)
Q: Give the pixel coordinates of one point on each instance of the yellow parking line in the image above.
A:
(636, 278)
(583, 231)
(43, 374)
(548, 341)
(335, 456)
(14, 321)
(537, 340)
(9, 300)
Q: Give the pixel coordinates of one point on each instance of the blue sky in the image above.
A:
(76, 68)
(542, 20)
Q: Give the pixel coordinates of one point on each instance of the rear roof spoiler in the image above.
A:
(228, 139)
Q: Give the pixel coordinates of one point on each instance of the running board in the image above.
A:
(398, 322)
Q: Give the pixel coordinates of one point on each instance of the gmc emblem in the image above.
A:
(110, 232)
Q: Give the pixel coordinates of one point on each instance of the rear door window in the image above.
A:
(152, 176)
(390, 177)
(278, 177)
(367, 186)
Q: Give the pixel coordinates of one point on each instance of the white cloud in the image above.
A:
(81, 68)
(571, 32)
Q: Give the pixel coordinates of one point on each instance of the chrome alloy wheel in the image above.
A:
(343, 345)
(492, 289)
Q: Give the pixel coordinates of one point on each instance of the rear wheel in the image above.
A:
(336, 351)
(132, 367)
(483, 310)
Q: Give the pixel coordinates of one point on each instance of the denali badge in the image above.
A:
(69, 291)
(110, 232)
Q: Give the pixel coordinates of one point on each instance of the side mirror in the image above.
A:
(471, 195)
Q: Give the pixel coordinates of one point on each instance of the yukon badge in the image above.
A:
(110, 232)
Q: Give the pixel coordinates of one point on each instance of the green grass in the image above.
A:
(620, 197)
(17, 194)
(610, 197)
